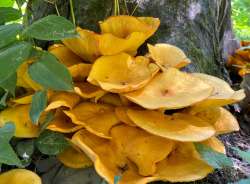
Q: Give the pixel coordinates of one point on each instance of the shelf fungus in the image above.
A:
(135, 116)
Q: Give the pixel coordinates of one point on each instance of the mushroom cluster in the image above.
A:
(240, 60)
(132, 116)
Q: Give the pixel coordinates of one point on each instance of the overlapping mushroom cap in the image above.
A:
(122, 73)
(222, 94)
(86, 46)
(179, 127)
(124, 115)
(20, 176)
(111, 157)
(171, 89)
(20, 116)
(166, 55)
(128, 32)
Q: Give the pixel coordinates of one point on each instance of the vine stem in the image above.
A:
(57, 11)
(115, 8)
(134, 9)
(118, 7)
(126, 7)
(72, 12)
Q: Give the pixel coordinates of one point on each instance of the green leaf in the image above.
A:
(7, 132)
(3, 99)
(6, 3)
(10, 59)
(51, 74)
(9, 84)
(25, 149)
(215, 159)
(39, 103)
(51, 143)
(243, 154)
(60, 174)
(49, 117)
(8, 14)
(20, 2)
(8, 34)
(51, 27)
(7, 154)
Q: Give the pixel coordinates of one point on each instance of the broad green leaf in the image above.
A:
(10, 59)
(51, 27)
(6, 3)
(243, 154)
(7, 132)
(51, 74)
(20, 2)
(3, 99)
(9, 84)
(8, 34)
(60, 174)
(215, 159)
(49, 117)
(7, 154)
(51, 143)
(25, 148)
(8, 14)
(39, 103)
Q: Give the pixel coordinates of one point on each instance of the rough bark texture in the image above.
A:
(202, 28)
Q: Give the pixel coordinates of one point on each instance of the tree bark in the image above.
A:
(202, 28)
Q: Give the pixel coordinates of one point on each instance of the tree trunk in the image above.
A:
(202, 28)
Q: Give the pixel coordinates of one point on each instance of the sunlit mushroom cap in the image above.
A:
(222, 120)
(122, 73)
(96, 118)
(183, 164)
(111, 99)
(73, 157)
(19, 115)
(19, 176)
(86, 45)
(128, 32)
(23, 78)
(215, 144)
(23, 100)
(62, 123)
(64, 55)
(171, 89)
(121, 113)
(87, 90)
(99, 151)
(150, 149)
(179, 127)
(222, 94)
(62, 99)
(79, 71)
(166, 55)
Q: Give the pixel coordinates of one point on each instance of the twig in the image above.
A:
(134, 9)
(126, 7)
(72, 12)
(57, 11)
